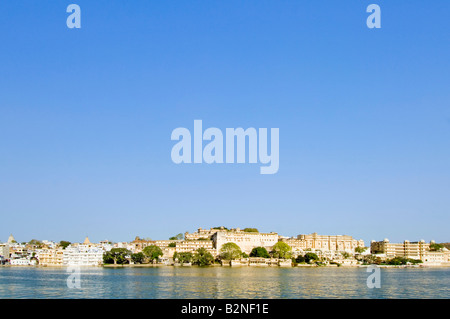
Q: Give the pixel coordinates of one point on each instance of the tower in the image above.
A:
(87, 241)
(11, 239)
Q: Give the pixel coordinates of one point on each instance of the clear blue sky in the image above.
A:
(86, 117)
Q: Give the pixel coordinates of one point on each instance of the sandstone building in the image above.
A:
(324, 243)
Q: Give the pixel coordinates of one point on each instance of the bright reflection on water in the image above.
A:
(223, 282)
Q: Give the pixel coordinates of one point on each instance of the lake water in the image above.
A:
(224, 282)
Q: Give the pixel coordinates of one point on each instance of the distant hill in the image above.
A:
(446, 245)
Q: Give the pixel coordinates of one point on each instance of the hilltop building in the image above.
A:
(245, 240)
(324, 243)
(192, 245)
(202, 233)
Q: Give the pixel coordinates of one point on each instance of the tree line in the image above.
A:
(201, 257)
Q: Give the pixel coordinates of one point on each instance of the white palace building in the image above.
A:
(85, 254)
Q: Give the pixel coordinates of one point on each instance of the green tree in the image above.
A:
(415, 261)
(436, 247)
(300, 259)
(360, 250)
(107, 258)
(311, 257)
(397, 261)
(35, 242)
(180, 236)
(138, 258)
(220, 227)
(369, 259)
(116, 256)
(230, 251)
(64, 244)
(172, 245)
(183, 258)
(281, 250)
(402, 261)
(251, 230)
(259, 252)
(345, 254)
(202, 257)
(152, 252)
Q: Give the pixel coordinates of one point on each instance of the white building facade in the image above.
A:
(83, 255)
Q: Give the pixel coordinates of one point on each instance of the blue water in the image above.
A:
(223, 282)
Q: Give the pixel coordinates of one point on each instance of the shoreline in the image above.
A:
(228, 266)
